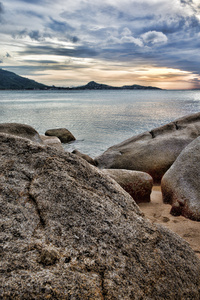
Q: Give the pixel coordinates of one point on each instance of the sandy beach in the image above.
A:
(158, 212)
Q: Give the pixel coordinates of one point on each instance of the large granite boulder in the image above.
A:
(181, 183)
(22, 130)
(137, 184)
(155, 151)
(70, 232)
(63, 134)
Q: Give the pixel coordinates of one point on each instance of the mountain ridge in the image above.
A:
(92, 85)
(11, 81)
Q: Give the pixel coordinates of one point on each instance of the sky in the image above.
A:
(115, 42)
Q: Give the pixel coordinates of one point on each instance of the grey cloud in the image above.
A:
(20, 34)
(1, 8)
(1, 11)
(173, 25)
(36, 69)
(63, 30)
(124, 37)
(59, 26)
(33, 1)
(7, 55)
(60, 51)
(47, 62)
(112, 11)
(74, 39)
(195, 82)
(186, 1)
(168, 57)
(31, 61)
(178, 54)
(194, 23)
(32, 13)
(89, 13)
(190, 65)
(195, 7)
(41, 37)
(154, 37)
(33, 34)
(168, 25)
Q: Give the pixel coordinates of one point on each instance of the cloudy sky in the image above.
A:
(70, 42)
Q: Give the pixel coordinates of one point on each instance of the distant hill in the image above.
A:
(92, 85)
(12, 81)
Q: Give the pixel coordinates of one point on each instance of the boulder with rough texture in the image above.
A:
(181, 183)
(155, 151)
(137, 184)
(70, 232)
(63, 134)
(21, 130)
(52, 141)
(86, 157)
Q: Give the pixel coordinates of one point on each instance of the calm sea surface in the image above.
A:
(98, 119)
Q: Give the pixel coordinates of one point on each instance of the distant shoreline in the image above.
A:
(78, 89)
(12, 81)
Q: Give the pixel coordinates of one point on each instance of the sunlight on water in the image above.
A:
(98, 119)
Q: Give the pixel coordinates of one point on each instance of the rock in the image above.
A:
(155, 151)
(85, 156)
(48, 256)
(52, 141)
(22, 130)
(70, 232)
(180, 184)
(63, 134)
(137, 184)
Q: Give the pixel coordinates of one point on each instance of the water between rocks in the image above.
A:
(98, 119)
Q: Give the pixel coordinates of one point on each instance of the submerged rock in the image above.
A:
(137, 184)
(85, 156)
(181, 183)
(70, 232)
(155, 151)
(63, 134)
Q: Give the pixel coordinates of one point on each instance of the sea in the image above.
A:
(98, 119)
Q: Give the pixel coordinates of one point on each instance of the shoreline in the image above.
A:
(158, 212)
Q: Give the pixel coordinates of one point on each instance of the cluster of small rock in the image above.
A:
(69, 231)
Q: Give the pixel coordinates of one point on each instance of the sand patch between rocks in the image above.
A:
(158, 212)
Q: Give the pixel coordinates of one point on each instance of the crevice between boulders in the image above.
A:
(102, 277)
(176, 125)
(34, 201)
(152, 134)
(100, 271)
(155, 132)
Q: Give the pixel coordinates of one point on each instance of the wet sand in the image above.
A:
(158, 212)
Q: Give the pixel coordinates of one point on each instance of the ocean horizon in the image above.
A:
(98, 119)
